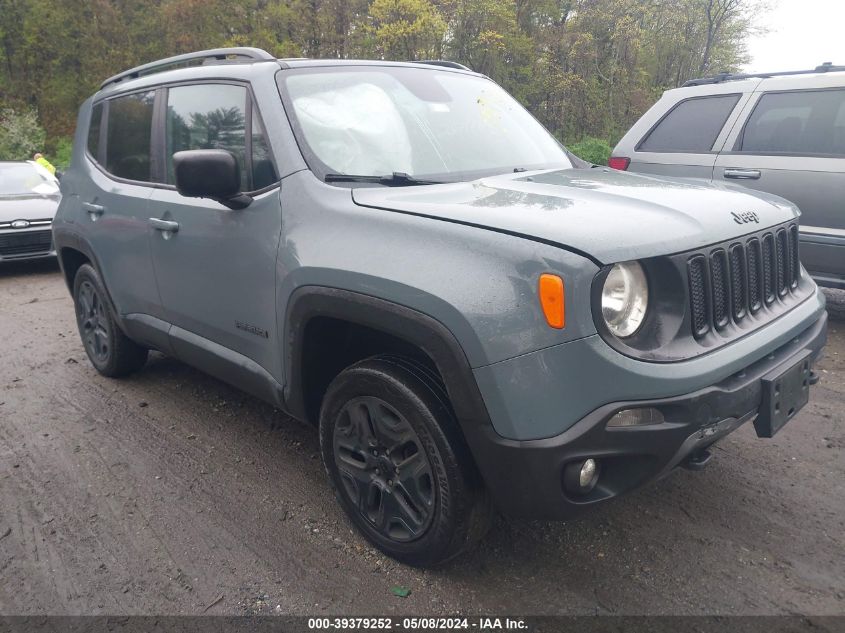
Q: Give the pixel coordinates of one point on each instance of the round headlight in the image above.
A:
(624, 299)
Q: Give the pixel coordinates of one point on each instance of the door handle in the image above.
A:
(94, 210)
(742, 174)
(164, 225)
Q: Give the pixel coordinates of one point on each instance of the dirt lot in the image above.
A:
(172, 493)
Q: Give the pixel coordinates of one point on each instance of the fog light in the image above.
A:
(581, 477)
(636, 417)
(588, 471)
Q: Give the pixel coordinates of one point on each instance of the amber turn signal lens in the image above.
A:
(551, 300)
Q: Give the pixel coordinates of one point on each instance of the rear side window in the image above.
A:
(128, 139)
(804, 122)
(94, 131)
(691, 126)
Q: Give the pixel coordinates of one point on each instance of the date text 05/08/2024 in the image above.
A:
(417, 624)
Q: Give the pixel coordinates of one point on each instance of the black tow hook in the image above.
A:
(814, 377)
(698, 460)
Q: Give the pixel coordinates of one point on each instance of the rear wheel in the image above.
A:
(111, 352)
(398, 464)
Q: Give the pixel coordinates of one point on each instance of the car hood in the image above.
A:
(608, 215)
(28, 207)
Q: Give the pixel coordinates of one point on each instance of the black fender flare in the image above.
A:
(407, 324)
(68, 239)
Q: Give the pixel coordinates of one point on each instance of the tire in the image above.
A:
(398, 463)
(111, 352)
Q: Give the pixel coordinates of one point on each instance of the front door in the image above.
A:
(793, 145)
(216, 268)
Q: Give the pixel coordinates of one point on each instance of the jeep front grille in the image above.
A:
(734, 281)
(718, 271)
(755, 289)
(25, 243)
(698, 294)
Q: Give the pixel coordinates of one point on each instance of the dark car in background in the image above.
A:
(782, 133)
(29, 197)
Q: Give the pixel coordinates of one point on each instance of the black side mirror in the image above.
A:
(210, 173)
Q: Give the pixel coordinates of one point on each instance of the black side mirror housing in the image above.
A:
(210, 173)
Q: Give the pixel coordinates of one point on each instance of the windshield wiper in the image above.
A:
(396, 179)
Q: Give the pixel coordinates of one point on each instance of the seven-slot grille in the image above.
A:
(25, 243)
(732, 282)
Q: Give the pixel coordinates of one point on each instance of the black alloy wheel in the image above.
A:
(111, 352)
(384, 468)
(94, 326)
(398, 463)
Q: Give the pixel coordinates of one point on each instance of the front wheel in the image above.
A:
(111, 352)
(398, 463)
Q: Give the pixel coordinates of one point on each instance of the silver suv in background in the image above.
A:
(783, 133)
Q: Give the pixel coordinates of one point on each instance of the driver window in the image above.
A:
(207, 117)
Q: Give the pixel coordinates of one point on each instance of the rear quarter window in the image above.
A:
(94, 131)
(691, 126)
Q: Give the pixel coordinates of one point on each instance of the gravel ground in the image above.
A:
(172, 493)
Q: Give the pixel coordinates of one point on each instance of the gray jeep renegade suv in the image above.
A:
(400, 254)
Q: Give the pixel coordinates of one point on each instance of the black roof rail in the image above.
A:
(209, 56)
(443, 62)
(721, 77)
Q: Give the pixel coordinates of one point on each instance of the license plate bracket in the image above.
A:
(785, 392)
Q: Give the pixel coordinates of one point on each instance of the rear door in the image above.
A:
(792, 143)
(113, 199)
(217, 272)
(684, 139)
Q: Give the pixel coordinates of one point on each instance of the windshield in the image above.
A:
(26, 179)
(426, 123)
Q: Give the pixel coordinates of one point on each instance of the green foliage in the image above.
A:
(593, 150)
(585, 68)
(60, 157)
(20, 134)
(405, 29)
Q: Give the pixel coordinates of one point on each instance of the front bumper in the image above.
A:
(525, 477)
(26, 244)
(823, 255)
(26, 258)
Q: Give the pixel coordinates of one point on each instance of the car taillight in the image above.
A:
(618, 162)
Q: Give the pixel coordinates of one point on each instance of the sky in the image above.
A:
(802, 34)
